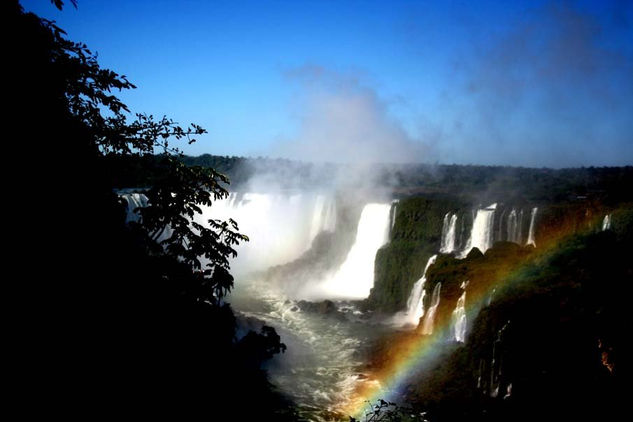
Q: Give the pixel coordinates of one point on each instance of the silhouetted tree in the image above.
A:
(130, 316)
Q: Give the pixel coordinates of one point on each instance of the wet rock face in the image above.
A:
(414, 238)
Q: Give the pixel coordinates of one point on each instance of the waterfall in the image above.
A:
(499, 236)
(482, 231)
(393, 213)
(459, 317)
(448, 233)
(323, 216)
(317, 217)
(134, 200)
(329, 223)
(429, 320)
(280, 226)
(606, 223)
(530, 240)
(415, 303)
(513, 227)
(355, 278)
(460, 241)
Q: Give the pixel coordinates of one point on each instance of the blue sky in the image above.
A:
(532, 83)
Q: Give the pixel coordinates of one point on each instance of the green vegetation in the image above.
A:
(415, 238)
(468, 183)
(550, 344)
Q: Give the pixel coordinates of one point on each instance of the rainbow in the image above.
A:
(415, 352)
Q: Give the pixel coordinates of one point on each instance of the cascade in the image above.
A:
(496, 364)
(415, 302)
(606, 223)
(499, 235)
(317, 217)
(280, 227)
(513, 227)
(323, 216)
(134, 200)
(481, 233)
(393, 213)
(355, 278)
(530, 240)
(462, 234)
(459, 316)
(329, 223)
(448, 233)
(429, 320)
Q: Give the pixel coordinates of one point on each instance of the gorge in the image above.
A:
(371, 294)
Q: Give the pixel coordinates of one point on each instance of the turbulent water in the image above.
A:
(324, 360)
(327, 342)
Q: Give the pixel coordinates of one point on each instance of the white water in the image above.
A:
(459, 317)
(393, 213)
(448, 233)
(429, 319)
(134, 200)
(323, 216)
(355, 278)
(513, 227)
(415, 303)
(531, 240)
(606, 223)
(481, 233)
(280, 226)
(323, 363)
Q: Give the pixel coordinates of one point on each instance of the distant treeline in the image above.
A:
(472, 183)
(516, 184)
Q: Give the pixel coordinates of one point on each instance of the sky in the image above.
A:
(526, 83)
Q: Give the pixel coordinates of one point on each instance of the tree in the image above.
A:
(136, 306)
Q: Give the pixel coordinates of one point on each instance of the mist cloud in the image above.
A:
(340, 120)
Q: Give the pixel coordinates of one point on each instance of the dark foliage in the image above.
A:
(468, 183)
(550, 344)
(122, 318)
